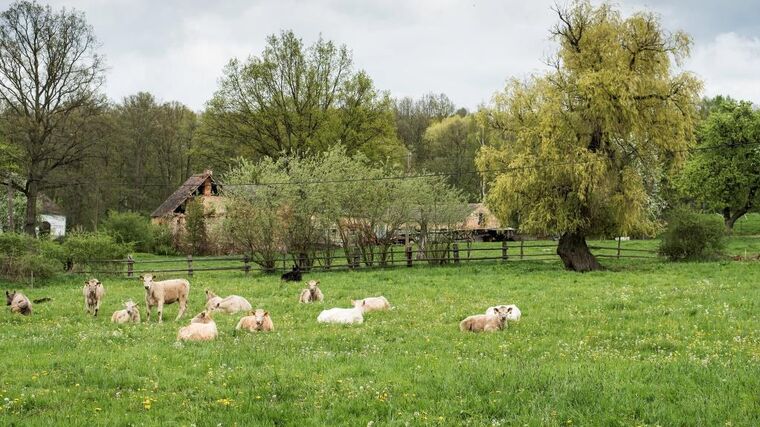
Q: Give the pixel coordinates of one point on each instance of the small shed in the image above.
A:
(202, 185)
(52, 219)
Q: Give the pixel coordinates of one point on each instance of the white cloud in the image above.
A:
(729, 65)
(177, 49)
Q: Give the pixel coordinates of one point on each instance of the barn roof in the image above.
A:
(184, 192)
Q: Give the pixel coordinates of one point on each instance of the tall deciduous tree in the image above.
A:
(413, 117)
(578, 138)
(294, 99)
(724, 172)
(50, 75)
(451, 146)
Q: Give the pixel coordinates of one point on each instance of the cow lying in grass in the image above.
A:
(19, 303)
(93, 292)
(212, 299)
(131, 313)
(372, 304)
(165, 292)
(233, 304)
(292, 276)
(201, 328)
(514, 312)
(256, 321)
(485, 322)
(342, 315)
(312, 293)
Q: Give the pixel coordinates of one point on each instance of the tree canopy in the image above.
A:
(580, 140)
(724, 171)
(50, 77)
(295, 99)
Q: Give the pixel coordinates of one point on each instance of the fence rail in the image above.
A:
(398, 256)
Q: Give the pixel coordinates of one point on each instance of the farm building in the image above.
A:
(200, 185)
(483, 224)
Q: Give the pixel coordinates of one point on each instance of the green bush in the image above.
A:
(690, 236)
(130, 228)
(163, 240)
(22, 255)
(82, 248)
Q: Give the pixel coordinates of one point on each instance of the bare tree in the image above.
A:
(50, 76)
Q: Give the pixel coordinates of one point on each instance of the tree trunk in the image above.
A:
(575, 254)
(729, 220)
(30, 226)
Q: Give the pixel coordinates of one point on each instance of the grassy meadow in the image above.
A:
(643, 343)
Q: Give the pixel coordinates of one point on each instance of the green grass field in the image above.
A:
(644, 343)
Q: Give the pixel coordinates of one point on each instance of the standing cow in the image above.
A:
(93, 292)
(165, 292)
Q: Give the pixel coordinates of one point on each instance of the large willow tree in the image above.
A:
(581, 141)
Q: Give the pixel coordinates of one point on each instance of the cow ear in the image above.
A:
(142, 278)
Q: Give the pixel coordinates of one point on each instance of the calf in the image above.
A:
(201, 328)
(485, 322)
(211, 299)
(372, 303)
(258, 321)
(130, 314)
(165, 292)
(293, 275)
(233, 304)
(514, 312)
(311, 293)
(19, 303)
(342, 315)
(93, 292)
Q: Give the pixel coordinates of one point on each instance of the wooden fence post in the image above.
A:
(455, 250)
(618, 247)
(190, 265)
(504, 248)
(408, 251)
(522, 244)
(355, 259)
(328, 259)
(246, 266)
(130, 266)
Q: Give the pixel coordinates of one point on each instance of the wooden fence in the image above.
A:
(399, 256)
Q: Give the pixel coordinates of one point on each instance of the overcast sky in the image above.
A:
(176, 49)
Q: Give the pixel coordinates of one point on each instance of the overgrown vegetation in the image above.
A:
(195, 234)
(302, 204)
(83, 248)
(23, 257)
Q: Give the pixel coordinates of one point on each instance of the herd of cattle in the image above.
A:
(202, 327)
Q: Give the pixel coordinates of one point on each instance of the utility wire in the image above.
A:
(506, 170)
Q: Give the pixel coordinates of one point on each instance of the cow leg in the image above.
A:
(182, 307)
(160, 311)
